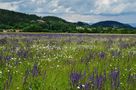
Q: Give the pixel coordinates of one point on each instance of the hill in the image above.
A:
(33, 23)
(11, 17)
(11, 21)
(113, 24)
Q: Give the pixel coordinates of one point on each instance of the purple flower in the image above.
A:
(7, 58)
(91, 78)
(114, 75)
(75, 78)
(87, 86)
(35, 70)
(102, 55)
(115, 78)
(22, 53)
(99, 82)
(91, 82)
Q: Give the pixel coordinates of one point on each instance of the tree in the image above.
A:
(33, 28)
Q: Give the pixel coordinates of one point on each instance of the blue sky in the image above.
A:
(77, 10)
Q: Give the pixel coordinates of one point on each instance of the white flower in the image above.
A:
(78, 87)
(83, 85)
(17, 88)
(57, 65)
(0, 72)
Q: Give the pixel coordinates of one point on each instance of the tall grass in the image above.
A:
(67, 62)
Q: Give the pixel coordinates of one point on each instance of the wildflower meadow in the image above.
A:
(67, 62)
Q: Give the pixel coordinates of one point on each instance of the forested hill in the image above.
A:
(33, 23)
(112, 24)
(11, 21)
(11, 17)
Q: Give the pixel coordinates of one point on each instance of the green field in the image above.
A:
(67, 62)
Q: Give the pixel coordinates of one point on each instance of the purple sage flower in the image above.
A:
(35, 70)
(75, 78)
(99, 82)
(102, 55)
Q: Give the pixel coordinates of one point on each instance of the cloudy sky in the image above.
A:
(77, 10)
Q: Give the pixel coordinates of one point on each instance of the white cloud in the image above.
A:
(114, 6)
(119, 9)
(39, 1)
(9, 0)
(9, 6)
(109, 7)
(73, 6)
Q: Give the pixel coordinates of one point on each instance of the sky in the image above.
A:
(90, 11)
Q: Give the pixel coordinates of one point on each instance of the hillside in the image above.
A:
(113, 24)
(10, 21)
(11, 17)
(26, 22)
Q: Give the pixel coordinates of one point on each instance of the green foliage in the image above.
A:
(32, 28)
(33, 23)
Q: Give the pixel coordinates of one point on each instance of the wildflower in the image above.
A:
(75, 78)
(87, 86)
(57, 65)
(8, 58)
(22, 53)
(102, 55)
(99, 82)
(35, 70)
(78, 87)
(115, 78)
(83, 85)
(17, 88)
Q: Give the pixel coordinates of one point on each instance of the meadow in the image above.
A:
(67, 62)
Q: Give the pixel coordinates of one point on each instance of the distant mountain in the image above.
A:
(111, 24)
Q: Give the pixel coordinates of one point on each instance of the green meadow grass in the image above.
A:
(46, 62)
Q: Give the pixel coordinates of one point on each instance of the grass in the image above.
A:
(67, 62)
